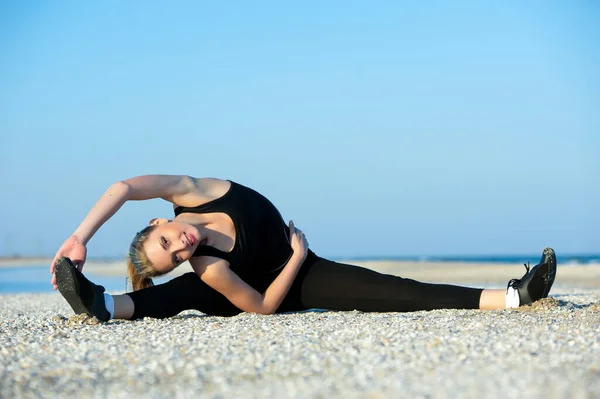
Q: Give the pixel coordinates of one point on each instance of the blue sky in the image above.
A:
(382, 128)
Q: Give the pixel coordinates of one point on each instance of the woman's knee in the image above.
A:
(186, 292)
(200, 296)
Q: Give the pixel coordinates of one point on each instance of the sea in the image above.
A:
(36, 279)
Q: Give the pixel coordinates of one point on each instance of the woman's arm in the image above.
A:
(169, 187)
(246, 298)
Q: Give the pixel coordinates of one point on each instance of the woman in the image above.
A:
(245, 259)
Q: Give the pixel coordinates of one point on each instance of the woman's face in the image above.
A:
(170, 244)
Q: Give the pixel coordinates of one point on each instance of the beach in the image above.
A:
(550, 349)
(486, 275)
(439, 142)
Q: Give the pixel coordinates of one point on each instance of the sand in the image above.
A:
(548, 350)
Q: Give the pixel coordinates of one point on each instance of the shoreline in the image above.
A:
(31, 261)
(471, 273)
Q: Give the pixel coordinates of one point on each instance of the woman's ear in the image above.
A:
(158, 221)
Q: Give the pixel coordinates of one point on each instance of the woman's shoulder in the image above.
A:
(202, 190)
(212, 186)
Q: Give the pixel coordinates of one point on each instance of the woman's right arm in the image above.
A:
(169, 187)
(110, 202)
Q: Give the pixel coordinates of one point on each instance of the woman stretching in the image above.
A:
(247, 259)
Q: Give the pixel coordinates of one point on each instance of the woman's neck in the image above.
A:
(216, 230)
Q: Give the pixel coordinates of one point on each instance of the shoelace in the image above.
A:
(515, 282)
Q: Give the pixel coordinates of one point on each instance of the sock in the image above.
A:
(109, 302)
(512, 298)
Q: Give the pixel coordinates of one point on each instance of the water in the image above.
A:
(37, 279)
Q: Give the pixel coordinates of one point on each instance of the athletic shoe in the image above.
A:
(83, 295)
(537, 281)
(549, 257)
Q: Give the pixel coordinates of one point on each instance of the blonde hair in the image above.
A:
(139, 266)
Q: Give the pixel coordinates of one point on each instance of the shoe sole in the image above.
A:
(549, 257)
(67, 285)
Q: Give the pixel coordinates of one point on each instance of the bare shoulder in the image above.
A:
(211, 186)
(202, 190)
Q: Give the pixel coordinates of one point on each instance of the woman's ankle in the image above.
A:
(492, 299)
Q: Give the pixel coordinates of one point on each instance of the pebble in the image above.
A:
(550, 349)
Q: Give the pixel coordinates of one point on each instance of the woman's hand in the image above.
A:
(298, 241)
(73, 249)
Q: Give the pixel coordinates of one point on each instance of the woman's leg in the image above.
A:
(338, 286)
(189, 292)
(164, 300)
(181, 293)
(492, 299)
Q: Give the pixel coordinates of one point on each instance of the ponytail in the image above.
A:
(138, 281)
(140, 269)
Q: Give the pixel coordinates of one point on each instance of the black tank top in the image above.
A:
(262, 237)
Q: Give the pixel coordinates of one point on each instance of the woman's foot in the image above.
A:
(549, 257)
(536, 283)
(82, 295)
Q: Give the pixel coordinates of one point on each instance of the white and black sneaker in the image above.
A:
(535, 284)
(82, 295)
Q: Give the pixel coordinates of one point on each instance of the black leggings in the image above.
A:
(320, 283)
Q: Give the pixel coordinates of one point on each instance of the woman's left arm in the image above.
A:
(220, 277)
